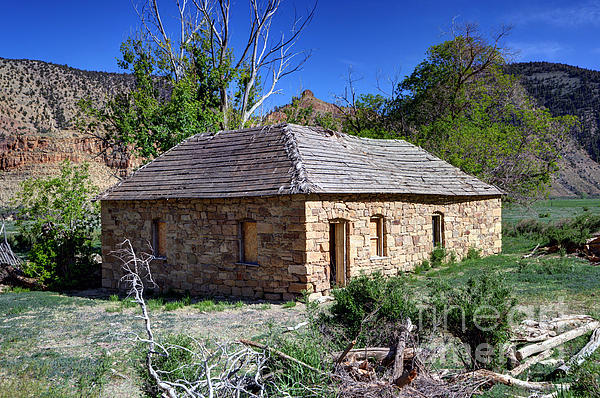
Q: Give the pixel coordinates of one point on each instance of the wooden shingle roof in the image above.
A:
(292, 159)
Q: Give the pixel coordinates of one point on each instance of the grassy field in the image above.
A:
(551, 209)
(55, 345)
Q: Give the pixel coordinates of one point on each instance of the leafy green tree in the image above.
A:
(58, 218)
(459, 105)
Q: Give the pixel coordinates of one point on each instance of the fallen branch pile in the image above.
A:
(400, 371)
(533, 342)
(590, 250)
(10, 266)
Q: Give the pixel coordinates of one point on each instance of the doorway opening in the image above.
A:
(338, 252)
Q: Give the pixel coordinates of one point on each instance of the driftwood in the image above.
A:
(399, 356)
(383, 355)
(535, 331)
(581, 356)
(511, 381)
(555, 341)
(532, 252)
(530, 362)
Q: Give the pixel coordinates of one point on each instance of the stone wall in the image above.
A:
(408, 232)
(202, 251)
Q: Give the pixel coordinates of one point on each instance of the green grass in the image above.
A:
(551, 209)
(17, 301)
(168, 303)
(289, 304)
(558, 283)
(212, 306)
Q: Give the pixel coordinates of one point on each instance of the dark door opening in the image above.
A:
(438, 230)
(337, 253)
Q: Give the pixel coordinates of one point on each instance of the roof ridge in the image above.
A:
(300, 182)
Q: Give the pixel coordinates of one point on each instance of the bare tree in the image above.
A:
(266, 56)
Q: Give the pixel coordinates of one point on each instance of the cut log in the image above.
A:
(555, 341)
(511, 381)
(399, 356)
(532, 339)
(584, 353)
(530, 362)
(382, 355)
(553, 324)
(12, 276)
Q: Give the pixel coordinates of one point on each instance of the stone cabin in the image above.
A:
(268, 212)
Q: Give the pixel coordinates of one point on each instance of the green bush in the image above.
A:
(424, 266)
(572, 233)
(292, 380)
(552, 266)
(586, 380)
(438, 256)
(477, 313)
(473, 254)
(528, 227)
(58, 218)
(568, 233)
(386, 300)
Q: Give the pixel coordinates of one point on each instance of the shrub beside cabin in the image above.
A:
(269, 212)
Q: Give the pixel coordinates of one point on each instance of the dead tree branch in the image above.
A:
(229, 370)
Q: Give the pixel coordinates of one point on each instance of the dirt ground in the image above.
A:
(46, 337)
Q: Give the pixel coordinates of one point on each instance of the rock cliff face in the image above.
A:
(38, 110)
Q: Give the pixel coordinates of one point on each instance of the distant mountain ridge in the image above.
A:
(566, 90)
(569, 90)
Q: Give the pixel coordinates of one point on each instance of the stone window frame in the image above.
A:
(439, 238)
(381, 246)
(159, 238)
(242, 243)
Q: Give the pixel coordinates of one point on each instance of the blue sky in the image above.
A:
(375, 38)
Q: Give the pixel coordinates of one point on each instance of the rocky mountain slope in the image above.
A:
(38, 108)
(569, 90)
